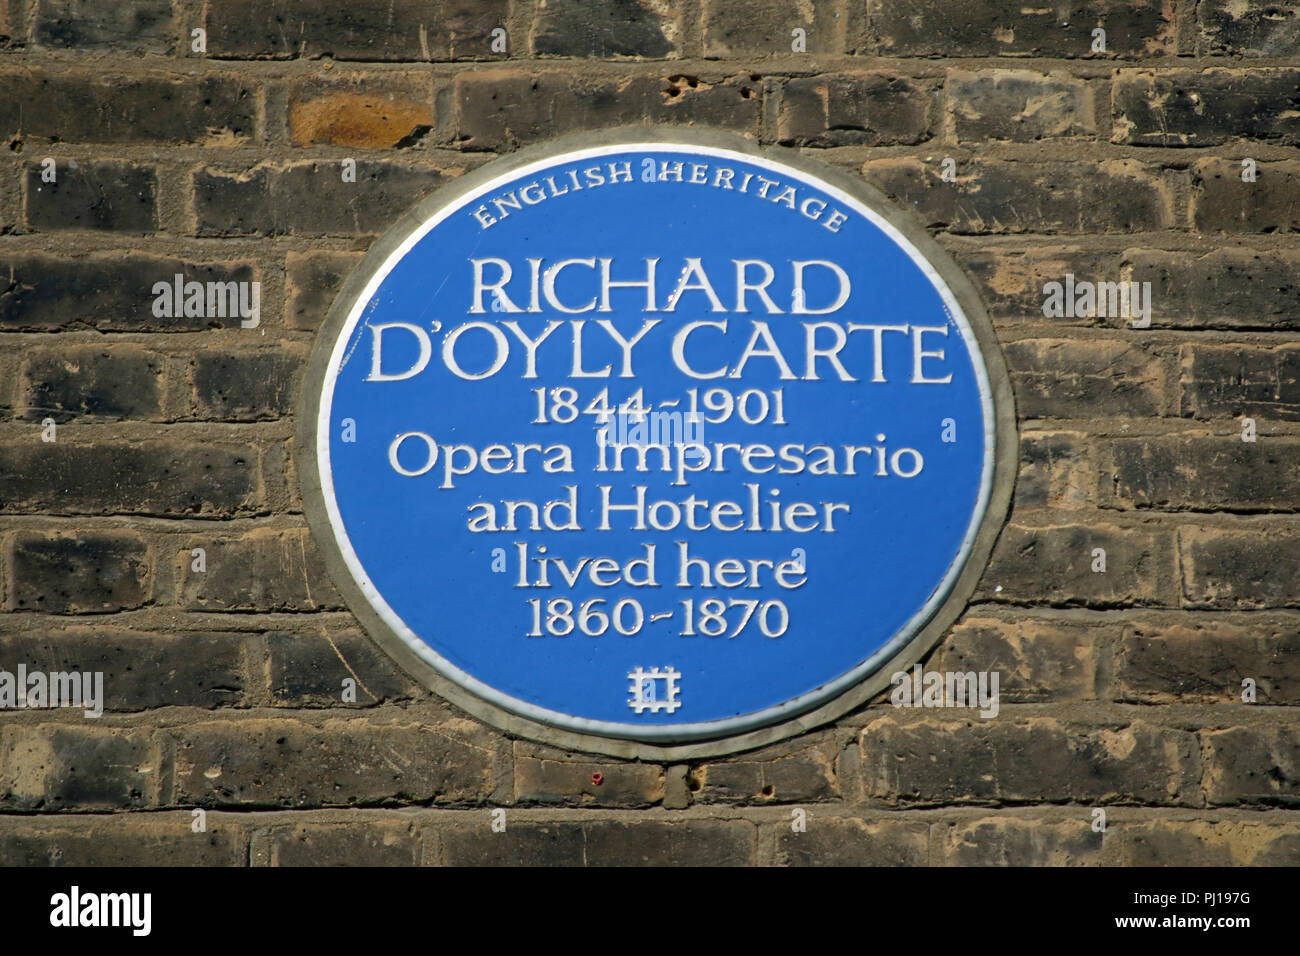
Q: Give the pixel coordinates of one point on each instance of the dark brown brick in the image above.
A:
(1011, 281)
(1234, 380)
(346, 844)
(1003, 841)
(757, 28)
(86, 572)
(502, 108)
(245, 386)
(1248, 28)
(1053, 565)
(119, 841)
(1203, 474)
(1221, 202)
(141, 670)
(1206, 107)
(519, 844)
(265, 570)
(836, 841)
(129, 25)
(1180, 842)
(290, 763)
(1084, 378)
(686, 843)
(570, 783)
(100, 383)
(853, 109)
(1134, 28)
(59, 767)
(804, 776)
(991, 197)
(1030, 761)
(1036, 661)
(308, 670)
(79, 106)
(108, 292)
(1055, 471)
(1248, 765)
(314, 279)
(151, 477)
(605, 28)
(1244, 568)
(100, 196)
(308, 199)
(352, 29)
(1018, 105)
(1207, 660)
(1223, 288)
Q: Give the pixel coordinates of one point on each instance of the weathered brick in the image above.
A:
(1073, 378)
(605, 28)
(108, 292)
(1250, 765)
(993, 196)
(290, 763)
(265, 570)
(1244, 568)
(570, 783)
(853, 109)
(352, 29)
(1029, 761)
(185, 669)
(99, 196)
(1227, 381)
(1004, 841)
(836, 841)
(1012, 281)
(684, 843)
(1203, 843)
(85, 572)
(101, 383)
(245, 386)
(390, 110)
(308, 199)
(119, 841)
(805, 775)
(149, 477)
(54, 767)
(1221, 202)
(372, 843)
(1207, 660)
(126, 25)
(1223, 288)
(1055, 471)
(1134, 28)
(519, 844)
(314, 279)
(309, 670)
(1206, 107)
(1248, 27)
(1053, 565)
(1036, 661)
(754, 28)
(1019, 105)
(1203, 474)
(503, 108)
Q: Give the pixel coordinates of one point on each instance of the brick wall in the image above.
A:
(1120, 690)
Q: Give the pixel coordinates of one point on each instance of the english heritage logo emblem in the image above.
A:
(657, 407)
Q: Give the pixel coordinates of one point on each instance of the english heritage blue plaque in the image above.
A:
(656, 440)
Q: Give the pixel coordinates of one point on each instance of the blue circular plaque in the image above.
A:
(660, 438)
